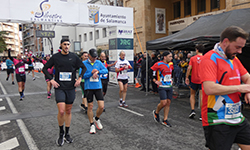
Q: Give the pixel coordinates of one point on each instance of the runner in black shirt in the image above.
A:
(65, 64)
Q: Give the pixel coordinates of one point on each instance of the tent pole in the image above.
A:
(138, 38)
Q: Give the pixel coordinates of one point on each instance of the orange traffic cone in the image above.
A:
(137, 85)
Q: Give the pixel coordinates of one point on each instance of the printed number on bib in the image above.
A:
(232, 110)
(21, 69)
(93, 80)
(167, 78)
(65, 76)
(124, 72)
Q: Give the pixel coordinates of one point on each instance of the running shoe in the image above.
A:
(124, 104)
(82, 106)
(48, 97)
(200, 118)
(156, 117)
(120, 104)
(21, 98)
(13, 83)
(192, 114)
(98, 124)
(60, 140)
(34, 78)
(166, 123)
(68, 139)
(7, 79)
(92, 129)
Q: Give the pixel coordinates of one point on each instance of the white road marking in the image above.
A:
(1, 99)
(29, 140)
(4, 122)
(131, 111)
(10, 144)
(2, 108)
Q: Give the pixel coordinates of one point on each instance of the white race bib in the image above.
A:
(167, 78)
(21, 70)
(124, 71)
(232, 110)
(65, 76)
(93, 80)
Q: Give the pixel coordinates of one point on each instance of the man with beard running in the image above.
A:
(165, 87)
(221, 77)
(65, 64)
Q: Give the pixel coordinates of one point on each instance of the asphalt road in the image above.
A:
(32, 123)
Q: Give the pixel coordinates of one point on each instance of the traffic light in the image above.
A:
(20, 27)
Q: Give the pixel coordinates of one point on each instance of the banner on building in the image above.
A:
(160, 20)
(65, 13)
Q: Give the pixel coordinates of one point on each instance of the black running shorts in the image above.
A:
(30, 68)
(124, 81)
(9, 71)
(20, 77)
(65, 96)
(83, 91)
(104, 85)
(195, 86)
(222, 137)
(165, 93)
(97, 93)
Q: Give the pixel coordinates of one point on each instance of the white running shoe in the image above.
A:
(98, 124)
(92, 129)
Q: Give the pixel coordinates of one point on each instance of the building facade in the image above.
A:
(31, 44)
(154, 19)
(12, 39)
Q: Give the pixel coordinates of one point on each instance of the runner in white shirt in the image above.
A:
(121, 67)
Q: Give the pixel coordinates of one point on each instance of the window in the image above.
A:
(104, 32)
(201, 5)
(215, 4)
(85, 37)
(97, 34)
(80, 38)
(187, 7)
(90, 36)
(177, 9)
(44, 42)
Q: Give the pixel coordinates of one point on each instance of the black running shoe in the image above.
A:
(82, 106)
(60, 140)
(156, 117)
(13, 82)
(166, 123)
(68, 139)
(192, 114)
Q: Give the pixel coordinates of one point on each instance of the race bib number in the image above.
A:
(21, 70)
(105, 75)
(232, 110)
(93, 80)
(167, 78)
(124, 71)
(65, 76)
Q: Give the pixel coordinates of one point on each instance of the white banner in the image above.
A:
(160, 20)
(64, 13)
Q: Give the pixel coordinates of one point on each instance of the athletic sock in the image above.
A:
(66, 130)
(61, 129)
(91, 123)
(96, 118)
(21, 93)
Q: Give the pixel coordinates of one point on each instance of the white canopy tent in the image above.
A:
(64, 13)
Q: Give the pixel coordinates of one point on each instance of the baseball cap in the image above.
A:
(93, 52)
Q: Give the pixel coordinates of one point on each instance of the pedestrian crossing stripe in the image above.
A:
(9, 144)
(2, 108)
(1, 99)
(4, 122)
